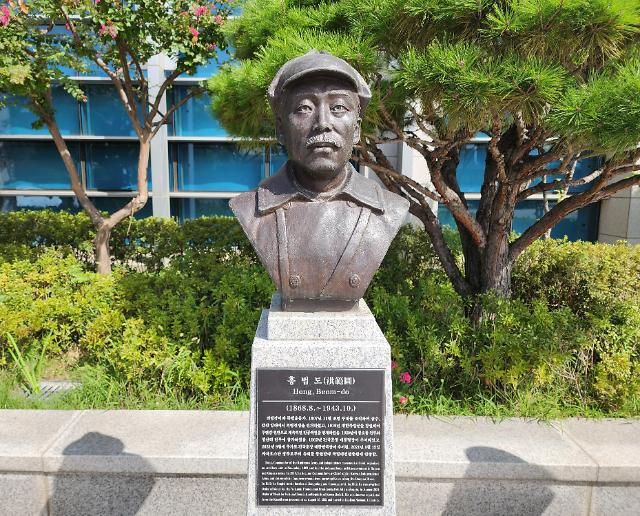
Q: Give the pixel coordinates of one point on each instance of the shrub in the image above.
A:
(185, 329)
(146, 244)
(586, 277)
(185, 324)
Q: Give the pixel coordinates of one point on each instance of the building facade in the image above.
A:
(196, 167)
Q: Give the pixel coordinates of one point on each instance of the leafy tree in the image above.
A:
(45, 42)
(551, 82)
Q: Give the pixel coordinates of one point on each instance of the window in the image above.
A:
(199, 207)
(112, 166)
(579, 225)
(39, 202)
(34, 165)
(103, 114)
(222, 167)
(470, 171)
(194, 118)
(18, 119)
(277, 158)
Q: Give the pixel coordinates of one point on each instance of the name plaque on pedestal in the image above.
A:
(320, 436)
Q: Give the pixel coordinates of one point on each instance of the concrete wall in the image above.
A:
(620, 217)
(194, 462)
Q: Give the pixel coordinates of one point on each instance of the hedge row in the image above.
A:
(571, 332)
(147, 242)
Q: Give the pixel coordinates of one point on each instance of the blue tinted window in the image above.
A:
(278, 158)
(445, 217)
(91, 70)
(193, 208)
(39, 202)
(113, 204)
(194, 118)
(17, 119)
(579, 225)
(217, 167)
(32, 164)
(112, 166)
(103, 114)
(584, 167)
(470, 171)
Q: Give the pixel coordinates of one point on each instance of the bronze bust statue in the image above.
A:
(320, 228)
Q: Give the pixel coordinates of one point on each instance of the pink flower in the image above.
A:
(194, 32)
(112, 30)
(394, 364)
(212, 46)
(218, 19)
(97, 2)
(199, 11)
(6, 16)
(67, 26)
(403, 400)
(405, 377)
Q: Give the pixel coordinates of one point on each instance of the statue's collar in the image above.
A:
(279, 189)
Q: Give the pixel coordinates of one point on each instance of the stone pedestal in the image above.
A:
(339, 341)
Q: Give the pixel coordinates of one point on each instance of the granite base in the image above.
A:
(341, 340)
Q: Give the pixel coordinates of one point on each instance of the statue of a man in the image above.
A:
(320, 228)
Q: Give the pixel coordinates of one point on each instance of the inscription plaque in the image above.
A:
(320, 436)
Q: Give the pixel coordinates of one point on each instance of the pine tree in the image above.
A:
(549, 81)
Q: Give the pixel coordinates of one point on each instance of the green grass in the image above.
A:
(100, 391)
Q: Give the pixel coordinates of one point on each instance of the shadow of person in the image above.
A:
(477, 495)
(81, 490)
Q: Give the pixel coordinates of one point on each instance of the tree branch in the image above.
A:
(130, 105)
(76, 185)
(161, 91)
(493, 149)
(420, 123)
(600, 190)
(193, 93)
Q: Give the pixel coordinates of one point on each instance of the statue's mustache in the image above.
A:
(323, 138)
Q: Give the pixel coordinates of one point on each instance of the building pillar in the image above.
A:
(159, 157)
(620, 217)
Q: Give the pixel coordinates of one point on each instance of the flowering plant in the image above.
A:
(48, 42)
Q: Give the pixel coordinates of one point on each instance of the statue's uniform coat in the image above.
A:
(323, 247)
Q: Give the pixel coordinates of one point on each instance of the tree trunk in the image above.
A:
(102, 253)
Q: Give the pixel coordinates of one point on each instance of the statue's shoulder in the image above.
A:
(244, 203)
(244, 207)
(393, 206)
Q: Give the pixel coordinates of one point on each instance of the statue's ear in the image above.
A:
(279, 131)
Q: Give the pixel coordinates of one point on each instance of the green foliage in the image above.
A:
(138, 243)
(567, 65)
(568, 343)
(571, 333)
(35, 54)
(186, 329)
(241, 88)
(584, 277)
(29, 369)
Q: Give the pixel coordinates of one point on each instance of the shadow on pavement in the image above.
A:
(86, 494)
(477, 496)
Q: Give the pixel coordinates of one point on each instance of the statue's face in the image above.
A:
(319, 122)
